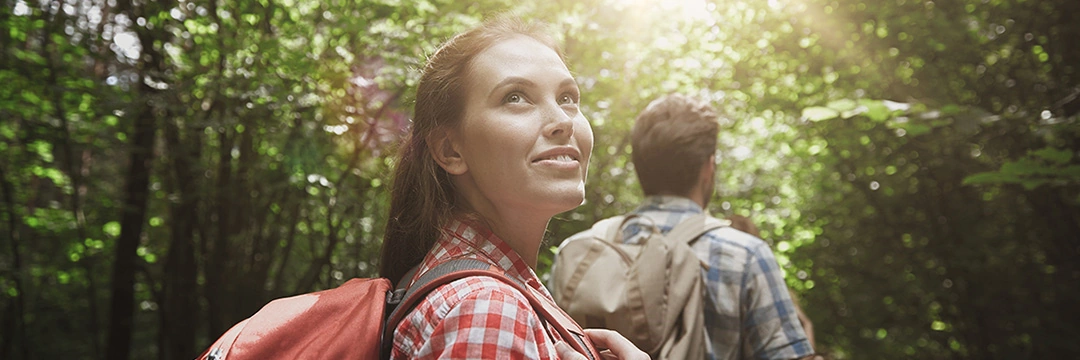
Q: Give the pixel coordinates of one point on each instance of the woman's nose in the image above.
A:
(559, 122)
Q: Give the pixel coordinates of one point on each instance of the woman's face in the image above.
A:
(523, 140)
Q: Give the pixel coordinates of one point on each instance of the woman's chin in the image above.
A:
(569, 201)
(553, 199)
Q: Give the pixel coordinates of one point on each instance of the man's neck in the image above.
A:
(696, 198)
(697, 195)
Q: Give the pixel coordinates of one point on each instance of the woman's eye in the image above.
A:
(566, 99)
(514, 98)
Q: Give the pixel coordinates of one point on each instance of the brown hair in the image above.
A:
(422, 197)
(672, 138)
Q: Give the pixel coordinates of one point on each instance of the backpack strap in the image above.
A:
(455, 269)
(401, 300)
(220, 349)
(567, 328)
(692, 228)
(610, 229)
(686, 231)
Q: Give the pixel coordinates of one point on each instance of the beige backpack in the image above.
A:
(650, 292)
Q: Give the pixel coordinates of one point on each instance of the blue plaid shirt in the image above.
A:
(748, 310)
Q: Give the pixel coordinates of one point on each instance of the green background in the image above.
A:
(168, 167)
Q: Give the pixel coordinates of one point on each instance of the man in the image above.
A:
(748, 311)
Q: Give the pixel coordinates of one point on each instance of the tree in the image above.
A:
(151, 69)
(913, 163)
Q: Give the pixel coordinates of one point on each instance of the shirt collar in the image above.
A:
(658, 213)
(669, 203)
(466, 238)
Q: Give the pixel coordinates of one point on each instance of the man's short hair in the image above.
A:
(672, 138)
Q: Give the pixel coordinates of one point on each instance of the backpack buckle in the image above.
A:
(394, 297)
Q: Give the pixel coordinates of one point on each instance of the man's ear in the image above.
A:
(707, 180)
(444, 147)
(708, 169)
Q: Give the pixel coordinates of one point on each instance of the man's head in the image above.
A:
(674, 140)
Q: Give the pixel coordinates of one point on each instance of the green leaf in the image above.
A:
(950, 109)
(43, 149)
(112, 228)
(849, 113)
(876, 110)
(1031, 184)
(1071, 172)
(251, 19)
(17, 34)
(1027, 167)
(1058, 156)
(916, 129)
(818, 113)
(6, 132)
(56, 176)
(28, 56)
(31, 97)
(842, 105)
(990, 177)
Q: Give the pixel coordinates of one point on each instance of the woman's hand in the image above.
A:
(614, 346)
(568, 353)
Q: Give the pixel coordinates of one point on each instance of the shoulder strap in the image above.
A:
(461, 268)
(401, 301)
(686, 231)
(608, 229)
(221, 348)
(563, 323)
(689, 230)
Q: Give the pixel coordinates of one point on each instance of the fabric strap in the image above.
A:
(690, 229)
(447, 272)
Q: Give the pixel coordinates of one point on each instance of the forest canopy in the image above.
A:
(168, 167)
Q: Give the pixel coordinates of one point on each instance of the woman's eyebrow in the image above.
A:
(517, 80)
(569, 82)
(513, 80)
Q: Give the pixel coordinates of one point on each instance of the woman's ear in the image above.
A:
(443, 145)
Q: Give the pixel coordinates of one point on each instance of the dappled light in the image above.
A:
(168, 167)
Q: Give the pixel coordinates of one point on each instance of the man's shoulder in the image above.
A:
(726, 235)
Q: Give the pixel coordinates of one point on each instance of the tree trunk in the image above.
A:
(180, 303)
(245, 227)
(137, 181)
(216, 247)
(14, 320)
(122, 307)
(217, 271)
(72, 166)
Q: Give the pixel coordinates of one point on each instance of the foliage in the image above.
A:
(914, 163)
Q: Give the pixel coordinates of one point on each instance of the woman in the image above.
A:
(497, 147)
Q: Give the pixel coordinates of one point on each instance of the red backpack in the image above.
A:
(357, 319)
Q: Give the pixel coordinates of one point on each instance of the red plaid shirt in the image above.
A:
(476, 317)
